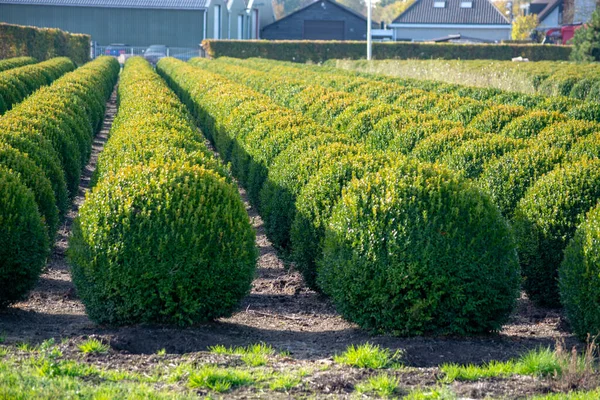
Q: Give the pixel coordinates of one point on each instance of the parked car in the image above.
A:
(155, 53)
(116, 49)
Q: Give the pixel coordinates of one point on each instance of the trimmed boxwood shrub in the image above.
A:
(414, 249)
(288, 174)
(471, 156)
(314, 205)
(40, 150)
(405, 139)
(363, 122)
(588, 111)
(507, 178)
(16, 62)
(172, 245)
(531, 124)
(23, 242)
(495, 118)
(435, 147)
(587, 146)
(386, 128)
(18, 83)
(545, 220)
(579, 278)
(35, 179)
(564, 134)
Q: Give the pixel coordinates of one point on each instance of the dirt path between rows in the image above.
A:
(280, 311)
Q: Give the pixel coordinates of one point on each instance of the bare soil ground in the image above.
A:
(280, 311)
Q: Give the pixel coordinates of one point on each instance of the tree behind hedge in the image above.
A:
(586, 43)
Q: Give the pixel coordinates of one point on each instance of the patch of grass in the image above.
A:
(540, 362)
(93, 346)
(162, 352)
(369, 356)
(219, 379)
(579, 395)
(254, 355)
(3, 351)
(438, 393)
(383, 385)
(284, 382)
(26, 347)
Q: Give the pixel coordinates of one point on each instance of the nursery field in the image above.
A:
(552, 78)
(259, 229)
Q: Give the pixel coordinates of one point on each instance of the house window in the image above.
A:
(466, 4)
(439, 4)
(217, 25)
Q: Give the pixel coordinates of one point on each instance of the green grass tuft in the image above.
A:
(368, 356)
(219, 379)
(383, 385)
(254, 355)
(284, 382)
(93, 346)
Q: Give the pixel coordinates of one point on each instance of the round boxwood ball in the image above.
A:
(413, 249)
(23, 239)
(579, 277)
(168, 243)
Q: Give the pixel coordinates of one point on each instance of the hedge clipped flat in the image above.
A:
(413, 249)
(23, 239)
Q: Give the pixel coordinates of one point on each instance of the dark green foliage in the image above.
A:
(319, 51)
(507, 178)
(588, 111)
(471, 156)
(287, 176)
(23, 239)
(165, 243)
(586, 43)
(414, 249)
(545, 221)
(495, 118)
(531, 124)
(43, 43)
(314, 205)
(579, 278)
(16, 62)
(435, 147)
(35, 179)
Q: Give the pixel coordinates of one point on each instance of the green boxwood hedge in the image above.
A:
(579, 278)
(16, 62)
(413, 249)
(545, 221)
(23, 242)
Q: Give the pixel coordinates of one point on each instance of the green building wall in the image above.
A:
(135, 27)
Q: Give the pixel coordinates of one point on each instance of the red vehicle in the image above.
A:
(561, 35)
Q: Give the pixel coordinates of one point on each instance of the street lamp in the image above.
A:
(369, 36)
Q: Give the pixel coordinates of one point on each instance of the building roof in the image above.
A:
(157, 4)
(336, 4)
(482, 12)
(545, 7)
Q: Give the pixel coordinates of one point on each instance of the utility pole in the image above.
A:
(369, 36)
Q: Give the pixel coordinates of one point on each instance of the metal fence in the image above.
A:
(123, 52)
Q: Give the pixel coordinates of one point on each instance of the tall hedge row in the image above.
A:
(18, 83)
(308, 176)
(16, 62)
(164, 236)
(44, 143)
(43, 43)
(319, 51)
